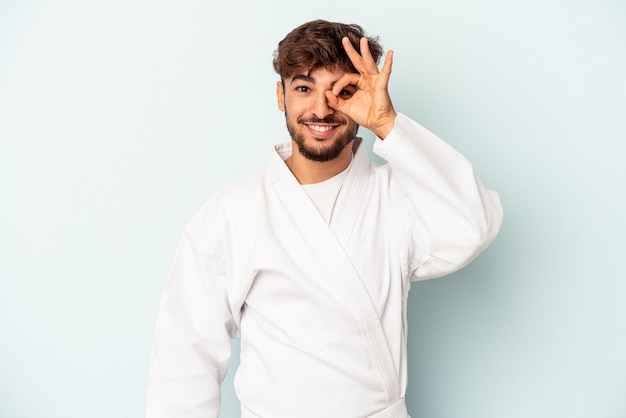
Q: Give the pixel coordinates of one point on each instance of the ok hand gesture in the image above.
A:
(370, 106)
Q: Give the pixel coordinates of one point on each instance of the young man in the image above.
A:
(310, 261)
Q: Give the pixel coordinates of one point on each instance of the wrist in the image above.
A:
(386, 127)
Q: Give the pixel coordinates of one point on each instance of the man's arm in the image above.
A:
(191, 348)
(454, 216)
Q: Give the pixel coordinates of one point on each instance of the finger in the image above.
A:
(367, 58)
(332, 100)
(337, 103)
(347, 79)
(388, 63)
(354, 56)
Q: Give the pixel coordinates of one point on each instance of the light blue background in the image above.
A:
(118, 119)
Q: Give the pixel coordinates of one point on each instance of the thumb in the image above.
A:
(334, 101)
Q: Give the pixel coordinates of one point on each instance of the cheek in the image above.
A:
(295, 105)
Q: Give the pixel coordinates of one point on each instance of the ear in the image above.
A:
(280, 95)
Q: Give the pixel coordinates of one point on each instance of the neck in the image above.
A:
(308, 171)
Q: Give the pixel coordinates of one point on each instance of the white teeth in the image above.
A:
(321, 128)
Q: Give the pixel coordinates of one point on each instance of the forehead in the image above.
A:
(318, 76)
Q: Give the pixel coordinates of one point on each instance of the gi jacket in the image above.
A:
(320, 309)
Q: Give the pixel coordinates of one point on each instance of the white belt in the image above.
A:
(397, 410)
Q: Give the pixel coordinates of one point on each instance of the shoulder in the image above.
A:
(233, 204)
(240, 192)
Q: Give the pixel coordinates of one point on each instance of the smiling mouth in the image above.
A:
(321, 130)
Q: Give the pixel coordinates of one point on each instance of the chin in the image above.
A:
(322, 152)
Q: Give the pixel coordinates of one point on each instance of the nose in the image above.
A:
(321, 109)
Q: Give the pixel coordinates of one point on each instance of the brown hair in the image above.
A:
(317, 44)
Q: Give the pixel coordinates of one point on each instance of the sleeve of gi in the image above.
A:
(455, 217)
(191, 348)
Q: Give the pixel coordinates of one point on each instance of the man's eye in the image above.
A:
(347, 92)
(302, 89)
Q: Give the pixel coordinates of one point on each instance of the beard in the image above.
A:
(321, 152)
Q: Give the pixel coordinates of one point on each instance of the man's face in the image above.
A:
(319, 131)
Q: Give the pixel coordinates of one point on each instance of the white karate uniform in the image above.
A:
(320, 308)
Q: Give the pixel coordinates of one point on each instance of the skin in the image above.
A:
(326, 107)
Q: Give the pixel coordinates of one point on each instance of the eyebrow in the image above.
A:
(307, 79)
(302, 77)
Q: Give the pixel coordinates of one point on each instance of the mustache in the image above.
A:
(330, 119)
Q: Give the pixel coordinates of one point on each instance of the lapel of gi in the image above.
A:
(352, 195)
(329, 250)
